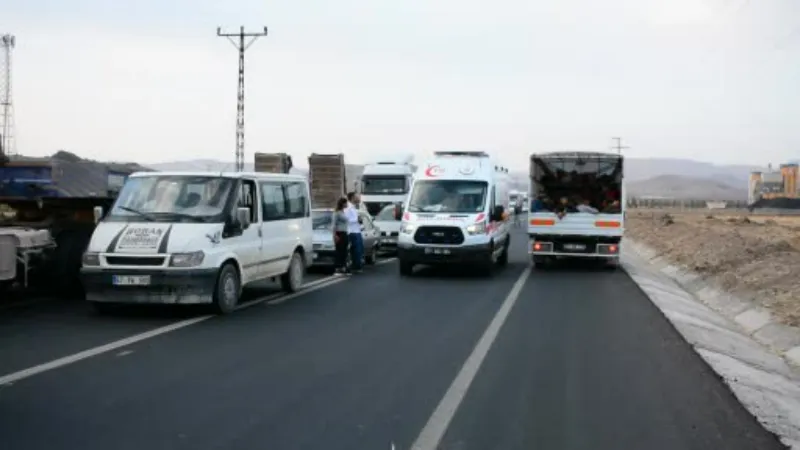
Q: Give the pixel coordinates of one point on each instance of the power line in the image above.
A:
(241, 46)
(619, 147)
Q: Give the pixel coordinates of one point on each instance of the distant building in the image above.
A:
(782, 183)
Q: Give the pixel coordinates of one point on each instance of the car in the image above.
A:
(389, 224)
(324, 248)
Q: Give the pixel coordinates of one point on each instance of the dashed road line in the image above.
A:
(434, 430)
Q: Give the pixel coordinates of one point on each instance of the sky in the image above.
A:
(149, 81)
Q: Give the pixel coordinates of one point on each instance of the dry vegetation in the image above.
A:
(753, 256)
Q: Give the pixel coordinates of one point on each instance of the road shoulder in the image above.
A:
(741, 342)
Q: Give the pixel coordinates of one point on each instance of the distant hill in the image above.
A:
(686, 188)
(663, 177)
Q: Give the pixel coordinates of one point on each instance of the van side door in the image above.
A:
(300, 230)
(274, 229)
(246, 244)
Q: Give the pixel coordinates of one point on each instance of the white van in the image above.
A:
(198, 238)
(456, 212)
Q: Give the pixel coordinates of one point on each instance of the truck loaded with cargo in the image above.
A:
(328, 179)
(577, 206)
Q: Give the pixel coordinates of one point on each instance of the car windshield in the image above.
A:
(322, 219)
(386, 214)
(169, 198)
(383, 185)
(451, 196)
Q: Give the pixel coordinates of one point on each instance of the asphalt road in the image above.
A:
(582, 361)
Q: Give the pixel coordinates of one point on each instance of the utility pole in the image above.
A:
(619, 147)
(7, 147)
(241, 46)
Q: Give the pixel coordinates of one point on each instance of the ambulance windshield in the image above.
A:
(448, 196)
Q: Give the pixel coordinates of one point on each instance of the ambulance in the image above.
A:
(456, 213)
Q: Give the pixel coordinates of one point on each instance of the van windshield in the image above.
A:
(450, 196)
(170, 198)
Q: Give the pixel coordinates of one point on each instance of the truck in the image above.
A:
(43, 232)
(456, 213)
(328, 179)
(385, 182)
(577, 206)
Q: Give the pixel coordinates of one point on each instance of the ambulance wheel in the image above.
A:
(406, 268)
(227, 290)
(292, 280)
(502, 260)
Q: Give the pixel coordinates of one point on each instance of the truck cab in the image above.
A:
(385, 183)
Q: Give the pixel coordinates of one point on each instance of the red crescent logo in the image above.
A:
(433, 171)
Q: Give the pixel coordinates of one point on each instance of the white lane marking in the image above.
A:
(89, 353)
(385, 261)
(60, 362)
(125, 353)
(434, 430)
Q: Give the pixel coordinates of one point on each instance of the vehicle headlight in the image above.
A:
(187, 259)
(477, 228)
(91, 259)
(407, 228)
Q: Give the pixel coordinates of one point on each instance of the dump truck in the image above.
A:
(327, 178)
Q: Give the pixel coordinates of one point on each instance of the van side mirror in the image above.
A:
(243, 217)
(497, 214)
(98, 214)
(398, 212)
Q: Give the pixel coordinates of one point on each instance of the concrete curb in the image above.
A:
(757, 357)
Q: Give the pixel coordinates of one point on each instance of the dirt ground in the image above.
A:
(753, 256)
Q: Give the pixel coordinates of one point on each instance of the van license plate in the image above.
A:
(575, 247)
(131, 280)
(437, 251)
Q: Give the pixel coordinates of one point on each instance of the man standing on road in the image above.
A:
(354, 231)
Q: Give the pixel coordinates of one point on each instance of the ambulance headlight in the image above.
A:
(477, 228)
(407, 228)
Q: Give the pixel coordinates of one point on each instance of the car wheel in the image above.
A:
(228, 290)
(373, 256)
(292, 280)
